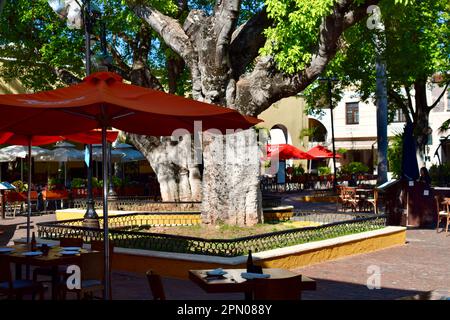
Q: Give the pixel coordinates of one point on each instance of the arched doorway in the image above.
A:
(316, 131)
(279, 134)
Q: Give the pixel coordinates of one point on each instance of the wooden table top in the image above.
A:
(233, 282)
(54, 257)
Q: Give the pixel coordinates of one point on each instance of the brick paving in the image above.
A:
(420, 265)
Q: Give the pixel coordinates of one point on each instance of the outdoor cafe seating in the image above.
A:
(12, 288)
(357, 199)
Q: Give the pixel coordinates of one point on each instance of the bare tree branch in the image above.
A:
(440, 96)
(246, 41)
(400, 101)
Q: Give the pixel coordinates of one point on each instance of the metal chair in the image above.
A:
(17, 288)
(156, 286)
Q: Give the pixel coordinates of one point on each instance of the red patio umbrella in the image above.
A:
(320, 152)
(286, 151)
(103, 100)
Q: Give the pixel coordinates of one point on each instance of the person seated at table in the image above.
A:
(425, 176)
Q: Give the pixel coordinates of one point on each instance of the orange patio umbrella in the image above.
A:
(103, 100)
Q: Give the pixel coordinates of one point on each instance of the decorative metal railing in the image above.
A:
(145, 204)
(329, 226)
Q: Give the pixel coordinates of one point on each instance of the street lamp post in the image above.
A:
(77, 17)
(332, 132)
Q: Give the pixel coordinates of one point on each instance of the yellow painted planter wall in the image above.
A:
(178, 268)
(157, 219)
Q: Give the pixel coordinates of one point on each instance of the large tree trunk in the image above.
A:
(218, 54)
(231, 192)
(178, 178)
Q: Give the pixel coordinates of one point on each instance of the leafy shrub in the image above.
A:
(79, 183)
(298, 170)
(354, 167)
(324, 171)
(440, 175)
(394, 155)
(117, 182)
(96, 183)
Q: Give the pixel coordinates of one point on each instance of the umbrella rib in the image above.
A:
(78, 114)
(123, 115)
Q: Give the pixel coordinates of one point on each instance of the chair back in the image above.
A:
(5, 271)
(99, 245)
(277, 289)
(156, 286)
(71, 242)
(92, 266)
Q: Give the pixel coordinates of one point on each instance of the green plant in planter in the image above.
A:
(96, 183)
(354, 167)
(324, 171)
(79, 183)
(440, 175)
(117, 182)
(298, 170)
(20, 186)
(53, 183)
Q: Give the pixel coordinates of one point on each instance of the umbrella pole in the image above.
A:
(105, 212)
(29, 202)
(29, 192)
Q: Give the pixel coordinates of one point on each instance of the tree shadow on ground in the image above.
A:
(7, 232)
(337, 290)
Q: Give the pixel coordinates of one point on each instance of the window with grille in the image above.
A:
(352, 112)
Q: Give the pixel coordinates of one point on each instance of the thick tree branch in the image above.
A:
(410, 104)
(266, 85)
(168, 28)
(226, 14)
(246, 41)
(66, 76)
(117, 58)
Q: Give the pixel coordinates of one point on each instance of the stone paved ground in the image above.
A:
(420, 265)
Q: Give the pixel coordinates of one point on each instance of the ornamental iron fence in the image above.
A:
(123, 234)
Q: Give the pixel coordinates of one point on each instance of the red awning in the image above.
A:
(286, 151)
(320, 152)
(103, 99)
